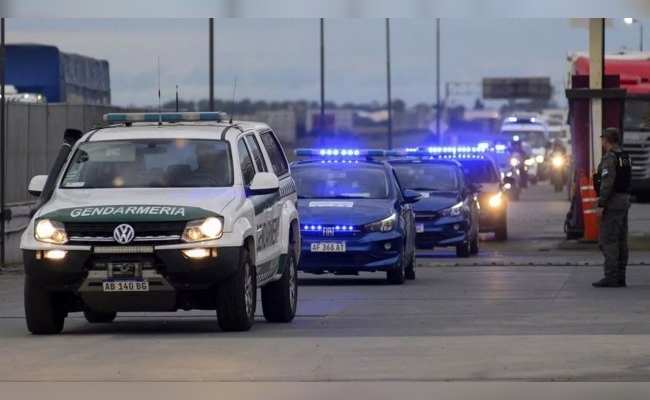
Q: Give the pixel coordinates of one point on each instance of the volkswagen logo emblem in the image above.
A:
(123, 234)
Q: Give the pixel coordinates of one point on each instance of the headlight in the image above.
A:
(495, 200)
(529, 162)
(385, 225)
(558, 161)
(203, 229)
(453, 211)
(514, 162)
(539, 159)
(50, 232)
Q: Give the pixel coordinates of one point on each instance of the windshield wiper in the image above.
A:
(424, 189)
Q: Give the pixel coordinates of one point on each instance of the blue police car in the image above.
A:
(447, 215)
(354, 216)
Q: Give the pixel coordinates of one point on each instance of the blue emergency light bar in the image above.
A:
(120, 118)
(340, 153)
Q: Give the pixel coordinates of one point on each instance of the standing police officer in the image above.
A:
(612, 184)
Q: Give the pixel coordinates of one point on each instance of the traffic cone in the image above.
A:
(590, 217)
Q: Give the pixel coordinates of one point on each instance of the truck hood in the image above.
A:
(140, 204)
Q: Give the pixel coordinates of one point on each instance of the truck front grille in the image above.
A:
(150, 233)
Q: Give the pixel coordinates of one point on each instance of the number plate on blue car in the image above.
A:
(335, 247)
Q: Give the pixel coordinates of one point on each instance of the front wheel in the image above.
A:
(463, 250)
(280, 298)
(236, 297)
(43, 314)
(397, 276)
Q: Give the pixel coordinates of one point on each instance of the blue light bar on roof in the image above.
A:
(118, 118)
(340, 153)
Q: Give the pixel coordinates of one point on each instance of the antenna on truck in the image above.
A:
(159, 108)
(232, 106)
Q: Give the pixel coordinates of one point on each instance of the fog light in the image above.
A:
(388, 246)
(456, 227)
(197, 253)
(55, 254)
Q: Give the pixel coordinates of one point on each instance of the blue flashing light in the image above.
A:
(336, 228)
(119, 118)
(340, 153)
(500, 147)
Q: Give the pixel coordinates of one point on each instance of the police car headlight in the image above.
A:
(529, 162)
(50, 231)
(203, 229)
(539, 159)
(385, 225)
(452, 211)
(496, 200)
(514, 162)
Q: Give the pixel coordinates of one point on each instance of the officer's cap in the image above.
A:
(612, 134)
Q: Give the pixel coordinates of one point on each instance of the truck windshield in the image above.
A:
(637, 115)
(533, 138)
(149, 163)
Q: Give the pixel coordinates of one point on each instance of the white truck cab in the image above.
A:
(533, 132)
(161, 212)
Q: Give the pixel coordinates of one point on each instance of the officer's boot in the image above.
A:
(621, 276)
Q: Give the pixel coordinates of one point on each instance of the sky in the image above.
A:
(275, 59)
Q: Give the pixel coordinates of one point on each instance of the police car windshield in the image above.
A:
(480, 171)
(427, 176)
(340, 180)
(150, 163)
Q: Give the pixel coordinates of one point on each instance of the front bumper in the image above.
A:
(369, 252)
(441, 232)
(169, 273)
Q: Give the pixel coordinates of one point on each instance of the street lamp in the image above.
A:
(631, 21)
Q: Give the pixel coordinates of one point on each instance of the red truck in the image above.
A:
(633, 69)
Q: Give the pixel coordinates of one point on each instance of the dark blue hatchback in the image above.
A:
(447, 215)
(354, 216)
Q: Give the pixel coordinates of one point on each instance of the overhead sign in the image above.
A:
(517, 88)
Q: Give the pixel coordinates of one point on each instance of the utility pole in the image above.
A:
(211, 52)
(321, 125)
(438, 108)
(390, 108)
(2, 144)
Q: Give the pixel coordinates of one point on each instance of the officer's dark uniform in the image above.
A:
(612, 184)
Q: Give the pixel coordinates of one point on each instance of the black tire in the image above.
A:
(280, 298)
(474, 244)
(397, 276)
(98, 317)
(409, 272)
(501, 233)
(236, 297)
(42, 313)
(463, 250)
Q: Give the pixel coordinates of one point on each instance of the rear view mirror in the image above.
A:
(411, 196)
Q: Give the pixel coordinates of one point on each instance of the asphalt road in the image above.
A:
(523, 310)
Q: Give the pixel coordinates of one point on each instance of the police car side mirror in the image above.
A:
(36, 185)
(264, 183)
(475, 187)
(411, 196)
